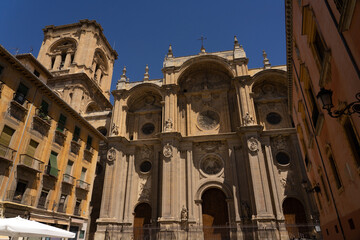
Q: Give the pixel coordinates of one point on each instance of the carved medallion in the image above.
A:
(111, 154)
(211, 165)
(208, 119)
(253, 144)
(167, 151)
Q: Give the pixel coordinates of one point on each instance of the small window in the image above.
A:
(20, 190)
(77, 209)
(336, 229)
(145, 166)
(335, 171)
(61, 123)
(69, 167)
(76, 135)
(88, 143)
(1, 69)
(62, 202)
(36, 73)
(21, 93)
(44, 109)
(81, 234)
(83, 174)
(6, 136)
(52, 62)
(351, 224)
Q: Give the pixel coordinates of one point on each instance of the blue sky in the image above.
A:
(141, 31)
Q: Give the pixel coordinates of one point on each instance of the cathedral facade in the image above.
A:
(207, 152)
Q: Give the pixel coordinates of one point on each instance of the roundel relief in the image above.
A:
(211, 165)
(208, 119)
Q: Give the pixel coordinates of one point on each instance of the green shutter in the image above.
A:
(30, 151)
(61, 123)
(5, 139)
(53, 164)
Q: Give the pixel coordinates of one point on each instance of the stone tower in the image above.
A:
(82, 61)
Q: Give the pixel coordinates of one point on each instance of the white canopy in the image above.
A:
(20, 227)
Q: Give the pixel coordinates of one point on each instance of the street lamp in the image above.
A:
(325, 96)
(316, 188)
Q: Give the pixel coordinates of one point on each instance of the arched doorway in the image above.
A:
(295, 218)
(214, 214)
(142, 221)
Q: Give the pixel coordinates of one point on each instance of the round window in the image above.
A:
(145, 166)
(273, 118)
(282, 158)
(208, 120)
(148, 128)
(211, 165)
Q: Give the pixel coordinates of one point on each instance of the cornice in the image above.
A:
(289, 48)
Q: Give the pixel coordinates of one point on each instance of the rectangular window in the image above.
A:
(82, 234)
(52, 166)
(43, 198)
(88, 143)
(77, 209)
(319, 47)
(336, 229)
(44, 108)
(30, 152)
(21, 92)
(5, 139)
(20, 190)
(351, 224)
(1, 69)
(314, 107)
(61, 123)
(83, 173)
(69, 167)
(36, 73)
(353, 140)
(335, 171)
(76, 135)
(62, 202)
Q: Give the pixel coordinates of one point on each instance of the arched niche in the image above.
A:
(100, 65)
(269, 90)
(62, 53)
(144, 112)
(92, 107)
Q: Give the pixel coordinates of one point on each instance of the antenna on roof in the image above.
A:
(16, 50)
(114, 45)
(31, 50)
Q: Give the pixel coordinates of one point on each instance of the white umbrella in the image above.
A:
(20, 227)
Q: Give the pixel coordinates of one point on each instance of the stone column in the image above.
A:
(57, 62)
(171, 110)
(67, 60)
(98, 75)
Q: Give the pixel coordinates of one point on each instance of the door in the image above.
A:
(295, 219)
(215, 215)
(142, 222)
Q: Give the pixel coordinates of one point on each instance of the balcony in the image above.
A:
(18, 107)
(42, 122)
(43, 203)
(21, 198)
(88, 153)
(30, 163)
(82, 185)
(51, 171)
(68, 179)
(60, 136)
(7, 154)
(75, 146)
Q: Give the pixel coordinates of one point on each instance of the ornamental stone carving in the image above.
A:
(114, 129)
(280, 143)
(167, 151)
(211, 165)
(208, 120)
(248, 119)
(184, 214)
(168, 125)
(146, 152)
(253, 144)
(111, 154)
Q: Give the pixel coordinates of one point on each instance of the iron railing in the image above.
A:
(82, 185)
(68, 179)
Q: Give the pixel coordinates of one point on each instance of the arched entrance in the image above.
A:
(295, 218)
(142, 221)
(215, 215)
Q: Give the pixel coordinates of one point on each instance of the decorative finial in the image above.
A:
(236, 42)
(146, 75)
(266, 61)
(202, 49)
(170, 52)
(123, 79)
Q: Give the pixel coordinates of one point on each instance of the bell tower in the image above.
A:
(77, 50)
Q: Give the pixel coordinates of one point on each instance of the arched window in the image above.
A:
(62, 54)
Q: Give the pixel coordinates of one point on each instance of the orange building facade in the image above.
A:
(323, 52)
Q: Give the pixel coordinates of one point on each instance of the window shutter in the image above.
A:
(53, 164)
(32, 148)
(6, 135)
(69, 167)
